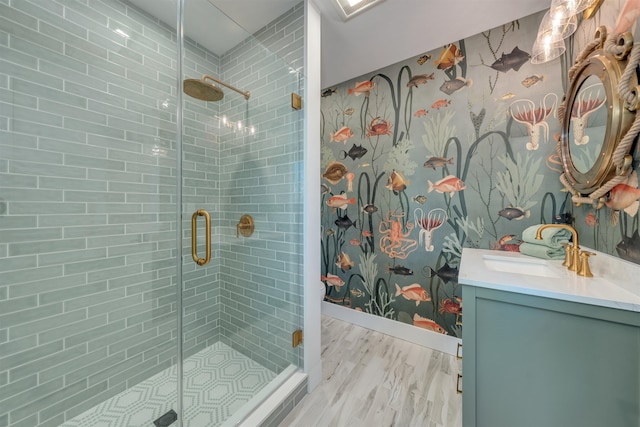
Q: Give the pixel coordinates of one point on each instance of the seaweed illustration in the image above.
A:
(463, 171)
(438, 129)
(396, 100)
(400, 158)
(520, 182)
(495, 48)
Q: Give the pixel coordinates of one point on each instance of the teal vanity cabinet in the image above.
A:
(540, 361)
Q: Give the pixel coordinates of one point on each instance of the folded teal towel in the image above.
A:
(542, 251)
(551, 237)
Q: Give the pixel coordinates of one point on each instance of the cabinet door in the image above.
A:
(539, 367)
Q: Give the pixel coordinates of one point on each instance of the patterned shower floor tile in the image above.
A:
(217, 381)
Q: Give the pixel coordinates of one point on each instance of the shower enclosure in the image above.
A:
(130, 292)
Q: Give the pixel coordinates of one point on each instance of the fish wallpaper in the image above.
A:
(453, 148)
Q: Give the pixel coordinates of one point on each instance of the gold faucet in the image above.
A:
(572, 258)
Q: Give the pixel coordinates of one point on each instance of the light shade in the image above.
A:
(546, 49)
(570, 7)
(557, 25)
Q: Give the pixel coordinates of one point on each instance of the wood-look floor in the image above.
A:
(375, 380)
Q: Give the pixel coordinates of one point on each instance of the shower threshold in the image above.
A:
(218, 382)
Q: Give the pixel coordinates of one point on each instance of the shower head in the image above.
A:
(205, 91)
(202, 90)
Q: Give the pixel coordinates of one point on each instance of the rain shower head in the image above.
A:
(201, 89)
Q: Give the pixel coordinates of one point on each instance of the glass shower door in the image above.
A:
(242, 148)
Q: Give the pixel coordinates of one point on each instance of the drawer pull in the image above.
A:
(458, 354)
(458, 384)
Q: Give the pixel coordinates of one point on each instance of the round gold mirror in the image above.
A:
(595, 117)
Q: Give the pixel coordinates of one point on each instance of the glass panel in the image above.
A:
(240, 157)
(89, 158)
(87, 214)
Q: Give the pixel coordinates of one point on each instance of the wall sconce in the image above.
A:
(560, 22)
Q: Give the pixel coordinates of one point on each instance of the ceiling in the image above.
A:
(395, 30)
(236, 19)
(389, 32)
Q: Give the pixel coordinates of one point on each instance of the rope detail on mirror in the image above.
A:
(620, 46)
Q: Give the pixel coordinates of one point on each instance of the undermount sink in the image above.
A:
(519, 265)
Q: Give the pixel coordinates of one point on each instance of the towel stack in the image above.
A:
(551, 245)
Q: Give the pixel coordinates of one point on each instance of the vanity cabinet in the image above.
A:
(538, 361)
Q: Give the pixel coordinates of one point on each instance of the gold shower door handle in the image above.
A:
(194, 236)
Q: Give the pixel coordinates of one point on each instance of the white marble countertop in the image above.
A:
(616, 282)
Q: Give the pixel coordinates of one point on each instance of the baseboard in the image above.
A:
(403, 331)
(278, 404)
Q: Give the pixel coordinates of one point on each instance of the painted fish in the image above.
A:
(510, 247)
(591, 220)
(503, 245)
(345, 222)
(428, 324)
(396, 182)
(361, 88)
(328, 92)
(446, 273)
(356, 152)
(333, 280)
(331, 232)
(355, 242)
(441, 103)
(532, 80)
(505, 96)
(456, 85)
(449, 57)
(420, 79)
(451, 305)
(364, 165)
(400, 270)
(324, 189)
(349, 111)
(413, 292)
(624, 197)
(511, 61)
(344, 301)
(424, 58)
(366, 233)
(514, 213)
(420, 113)
(335, 172)
(357, 293)
(437, 162)
(340, 201)
(344, 262)
(341, 135)
(449, 184)
(419, 199)
(629, 248)
(370, 209)
(627, 16)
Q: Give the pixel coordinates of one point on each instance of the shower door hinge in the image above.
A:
(296, 101)
(296, 338)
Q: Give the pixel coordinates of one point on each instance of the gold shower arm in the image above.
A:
(246, 94)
